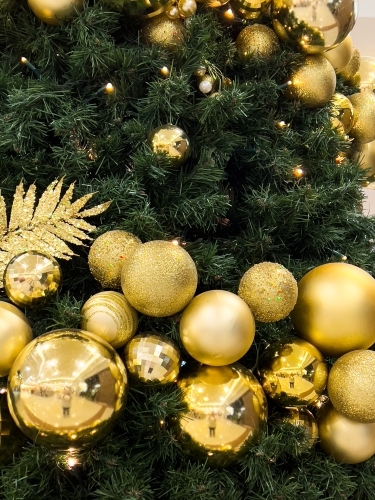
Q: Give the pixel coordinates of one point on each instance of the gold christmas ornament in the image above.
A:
(217, 328)
(257, 41)
(152, 358)
(350, 72)
(363, 129)
(335, 309)
(108, 254)
(301, 417)
(342, 113)
(145, 8)
(293, 373)
(207, 84)
(11, 438)
(269, 290)
(340, 55)
(171, 141)
(367, 72)
(172, 12)
(163, 32)
(314, 83)
(108, 315)
(67, 389)
(227, 413)
(365, 153)
(250, 9)
(159, 279)
(187, 8)
(55, 12)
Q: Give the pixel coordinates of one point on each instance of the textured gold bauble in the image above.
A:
(301, 417)
(15, 334)
(55, 11)
(314, 26)
(335, 309)
(159, 279)
(163, 32)
(67, 389)
(257, 41)
(11, 438)
(365, 153)
(346, 441)
(107, 255)
(367, 72)
(250, 9)
(341, 55)
(351, 70)
(217, 328)
(293, 373)
(363, 129)
(146, 8)
(172, 142)
(314, 83)
(227, 413)
(31, 279)
(269, 290)
(152, 358)
(111, 317)
(342, 113)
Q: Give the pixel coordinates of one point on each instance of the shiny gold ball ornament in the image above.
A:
(257, 41)
(108, 254)
(217, 328)
(314, 83)
(152, 358)
(342, 113)
(55, 12)
(159, 279)
(11, 438)
(163, 32)
(187, 8)
(335, 309)
(350, 72)
(367, 72)
(270, 291)
(363, 129)
(227, 413)
(67, 389)
(340, 55)
(250, 9)
(171, 141)
(301, 417)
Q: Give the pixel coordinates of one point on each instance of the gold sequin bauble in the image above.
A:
(171, 141)
(314, 83)
(301, 417)
(293, 373)
(346, 441)
(217, 328)
(335, 309)
(314, 26)
(67, 389)
(250, 9)
(15, 334)
(269, 290)
(340, 55)
(31, 279)
(159, 279)
(351, 70)
(108, 315)
(152, 358)
(342, 113)
(145, 8)
(11, 438)
(55, 11)
(366, 155)
(257, 41)
(108, 254)
(227, 413)
(367, 72)
(363, 129)
(163, 32)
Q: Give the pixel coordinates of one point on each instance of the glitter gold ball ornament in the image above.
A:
(335, 308)
(340, 55)
(217, 328)
(363, 129)
(227, 413)
(163, 32)
(367, 72)
(342, 113)
(269, 290)
(108, 254)
(171, 141)
(67, 389)
(293, 373)
(301, 417)
(11, 438)
(250, 9)
(257, 41)
(159, 279)
(366, 155)
(55, 11)
(111, 317)
(187, 8)
(152, 358)
(351, 70)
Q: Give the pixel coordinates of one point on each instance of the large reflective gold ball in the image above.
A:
(293, 373)
(340, 55)
(217, 328)
(301, 417)
(367, 72)
(342, 113)
(11, 438)
(257, 41)
(365, 153)
(67, 389)
(163, 32)
(227, 413)
(171, 141)
(159, 279)
(55, 11)
(145, 8)
(15, 334)
(249, 9)
(363, 129)
(335, 309)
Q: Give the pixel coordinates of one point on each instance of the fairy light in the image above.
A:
(109, 88)
(228, 14)
(72, 461)
(285, 85)
(164, 71)
(175, 242)
(31, 67)
(298, 172)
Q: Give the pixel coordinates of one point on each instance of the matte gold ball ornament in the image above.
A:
(171, 141)
(350, 72)
(301, 417)
(367, 72)
(342, 113)
(163, 32)
(340, 55)
(363, 129)
(257, 41)
(55, 12)
(250, 9)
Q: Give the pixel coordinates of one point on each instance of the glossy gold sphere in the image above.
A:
(67, 389)
(11, 438)
(335, 309)
(367, 72)
(342, 113)
(163, 32)
(363, 129)
(227, 413)
(217, 328)
(340, 55)
(145, 8)
(187, 8)
(250, 9)
(171, 141)
(365, 153)
(55, 12)
(257, 41)
(301, 417)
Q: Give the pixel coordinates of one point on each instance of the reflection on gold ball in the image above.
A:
(257, 41)
(269, 290)
(144, 8)
(367, 72)
(159, 279)
(341, 55)
(171, 141)
(163, 32)
(342, 113)
(55, 11)
(335, 309)
(366, 154)
(227, 413)
(250, 9)
(217, 328)
(67, 389)
(363, 129)
(301, 417)
(293, 373)
(351, 70)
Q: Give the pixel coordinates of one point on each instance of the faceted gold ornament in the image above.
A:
(257, 41)
(11, 438)
(341, 55)
(67, 389)
(163, 32)
(301, 417)
(227, 413)
(363, 129)
(172, 142)
(367, 72)
(250, 9)
(55, 12)
(342, 113)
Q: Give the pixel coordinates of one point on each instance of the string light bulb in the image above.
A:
(27, 63)
(298, 172)
(109, 88)
(228, 15)
(175, 242)
(164, 71)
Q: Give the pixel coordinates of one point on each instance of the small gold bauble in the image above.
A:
(217, 328)
(172, 12)
(163, 32)
(257, 41)
(293, 373)
(159, 279)
(152, 358)
(314, 83)
(365, 153)
(171, 141)
(363, 129)
(145, 8)
(55, 12)
(350, 71)
(342, 113)
(227, 413)
(11, 438)
(340, 55)
(67, 389)
(301, 417)
(269, 290)
(108, 254)
(187, 8)
(15, 334)
(250, 9)
(108, 315)
(346, 441)
(31, 279)
(367, 72)
(335, 309)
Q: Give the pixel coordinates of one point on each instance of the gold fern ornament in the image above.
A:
(46, 227)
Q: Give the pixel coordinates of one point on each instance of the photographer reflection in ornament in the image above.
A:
(212, 424)
(66, 401)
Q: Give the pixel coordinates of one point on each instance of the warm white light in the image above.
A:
(72, 462)
(109, 88)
